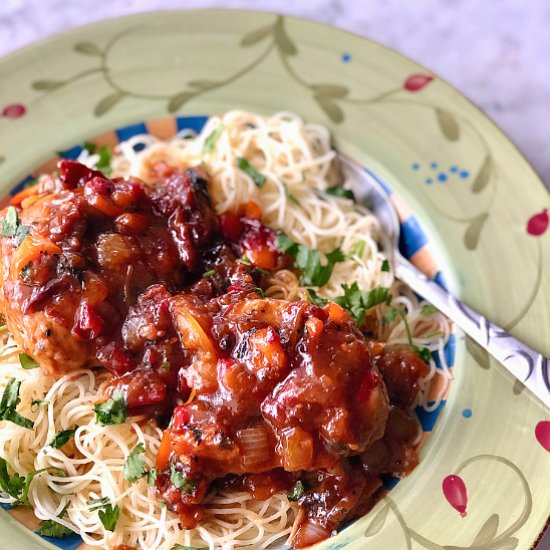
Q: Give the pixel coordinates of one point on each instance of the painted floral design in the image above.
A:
(455, 492)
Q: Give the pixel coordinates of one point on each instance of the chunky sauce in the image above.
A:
(258, 394)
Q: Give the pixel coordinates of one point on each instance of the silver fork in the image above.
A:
(527, 365)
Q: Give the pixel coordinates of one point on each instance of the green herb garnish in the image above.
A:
(112, 411)
(246, 167)
(315, 299)
(385, 266)
(180, 481)
(104, 162)
(297, 492)
(210, 141)
(12, 226)
(109, 516)
(61, 438)
(51, 528)
(152, 477)
(357, 302)
(10, 400)
(27, 362)
(314, 272)
(358, 248)
(96, 503)
(209, 273)
(134, 466)
(428, 309)
(340, 192)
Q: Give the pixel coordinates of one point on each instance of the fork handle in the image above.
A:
(527, 365)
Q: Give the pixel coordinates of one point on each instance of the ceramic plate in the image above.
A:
(482, 207)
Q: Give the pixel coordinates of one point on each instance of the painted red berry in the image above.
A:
(542, 433)
(416, 82)
(538, 224)
(456, 494)
(15, 110)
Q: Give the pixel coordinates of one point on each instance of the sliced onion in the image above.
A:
(309, 533)
(255, 445)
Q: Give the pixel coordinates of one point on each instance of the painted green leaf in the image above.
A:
(177, 101)
(447, 124)
(107, 103)
(519, 386)
(256, 36)
(331, 109)
(483, 176)
(473, 232)
(488, 530)
(507, 544)
(480, 355)
(87, 48)
(2, 159)
(330, 90)
(47, 84)
(377, 523)
(203, 84)
(282, 40)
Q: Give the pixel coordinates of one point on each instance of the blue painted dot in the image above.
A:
(433, 165)
(453, 169)
(464, 174)
(415, 166)
(429, 180)
(442, 177)
(346, 57)
(467, 413)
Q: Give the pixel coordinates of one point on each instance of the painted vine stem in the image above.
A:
(329, 97)
(485, 539)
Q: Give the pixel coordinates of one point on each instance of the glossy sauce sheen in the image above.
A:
(259, 393)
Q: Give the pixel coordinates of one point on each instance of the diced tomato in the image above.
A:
(231, 227)
(88, 323)
(180, 417)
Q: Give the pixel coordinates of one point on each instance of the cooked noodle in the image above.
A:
(298, 163)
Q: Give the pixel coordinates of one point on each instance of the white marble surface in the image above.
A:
(495, 51)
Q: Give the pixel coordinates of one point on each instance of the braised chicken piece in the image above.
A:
(258, 394)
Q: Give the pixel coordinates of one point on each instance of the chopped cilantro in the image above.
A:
(180, 481)
(152, 477)
(244, 260)
(385, 265)
(424, 353)
(51, 528)
(112, 411)
(428, 309)
(96, 503)
(314, 273)
(90, 147)
(109, 516)
(292, 198)
(10, 400)
(134, 466)
(12, 227)
(315, 299)
(104, 162)
(39, 403)
(180, 547)
(209, 273)
(260, 291)
(17, 486)
(210, 141)
(61, 438)
(340, 192)
(297, 492)
(27, 362)
(357, 302)
(286, 245)
(391, 315)
(245, 166)
(358, 248)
